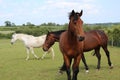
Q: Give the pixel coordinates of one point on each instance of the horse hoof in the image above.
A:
(97, 69)
(60, 72)
(87, 71)
(111, 67)
(26, 59)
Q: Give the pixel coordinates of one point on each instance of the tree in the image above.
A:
(116, 37)
(29, 24)
(7, 23)
(51, 24)
(13, 24)
(110, 35)
(43, 24)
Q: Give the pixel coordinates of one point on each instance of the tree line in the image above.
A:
(11, 24)
(111, 29)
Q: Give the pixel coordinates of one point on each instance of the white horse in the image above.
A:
(31, 42)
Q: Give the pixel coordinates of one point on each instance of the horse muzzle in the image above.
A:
(81, 38)
(12, 43)
(45, 49)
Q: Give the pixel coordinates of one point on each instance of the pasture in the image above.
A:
(13, 65)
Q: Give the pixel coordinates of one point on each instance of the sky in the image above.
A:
(44, 11)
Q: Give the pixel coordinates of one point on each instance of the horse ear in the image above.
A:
(80, 14)
(73, 12)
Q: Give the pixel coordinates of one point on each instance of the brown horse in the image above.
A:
(94, 40)
(71, 44)
(53, 37)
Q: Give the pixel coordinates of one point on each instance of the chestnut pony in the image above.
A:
(71, 44)
(53, 37)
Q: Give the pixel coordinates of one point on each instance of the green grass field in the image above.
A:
(13, 65)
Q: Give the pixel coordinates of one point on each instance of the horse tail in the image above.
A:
(93, 53)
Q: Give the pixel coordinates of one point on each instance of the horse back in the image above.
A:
(94, 38)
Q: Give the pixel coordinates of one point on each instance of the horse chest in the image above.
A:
(70, 47)
(71, 50)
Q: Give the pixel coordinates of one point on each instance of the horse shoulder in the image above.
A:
(65, 44)
(63, 38)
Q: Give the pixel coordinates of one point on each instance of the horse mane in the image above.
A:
(24, 34)
(57, 33)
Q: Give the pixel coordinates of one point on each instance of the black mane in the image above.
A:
(56, 33)
(73, 14)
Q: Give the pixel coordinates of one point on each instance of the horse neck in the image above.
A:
(71, 37)
(21, 37)
(56, 37)
(41, 39)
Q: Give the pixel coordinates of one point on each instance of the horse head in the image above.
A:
(13, 39)
(75, 25)
(49, 41)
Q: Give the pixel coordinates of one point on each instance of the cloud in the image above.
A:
(88, 1)
(45, 11)
(77, 5)
(67, 6)
(61, 8)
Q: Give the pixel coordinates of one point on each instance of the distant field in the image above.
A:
(13, 65)
(6, 32)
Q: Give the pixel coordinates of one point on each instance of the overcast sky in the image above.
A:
(44, 11)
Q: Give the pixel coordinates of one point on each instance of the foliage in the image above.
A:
(111, 29)
(9, 24)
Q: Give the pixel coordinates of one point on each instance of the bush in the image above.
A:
(6, 36)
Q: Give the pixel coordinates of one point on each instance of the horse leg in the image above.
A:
(98, 55)
(108, 55)
(28, 52)
(63, 68)
(85, 64)
(32, 51)
(75, 66)
(67, 61)
(44, 55)
(52, 51)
